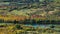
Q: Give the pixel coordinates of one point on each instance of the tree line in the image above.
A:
(32, 21)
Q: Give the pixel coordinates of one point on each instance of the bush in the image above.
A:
(18, 27)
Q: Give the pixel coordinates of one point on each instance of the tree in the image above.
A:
(16, 21)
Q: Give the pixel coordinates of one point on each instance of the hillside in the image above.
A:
(38, 9)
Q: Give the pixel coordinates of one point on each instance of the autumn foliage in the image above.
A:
(12, 18)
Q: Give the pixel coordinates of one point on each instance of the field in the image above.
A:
(23, 29)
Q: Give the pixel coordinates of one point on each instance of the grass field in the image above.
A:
(22, 29)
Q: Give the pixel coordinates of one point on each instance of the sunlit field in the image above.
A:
(10, 28)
